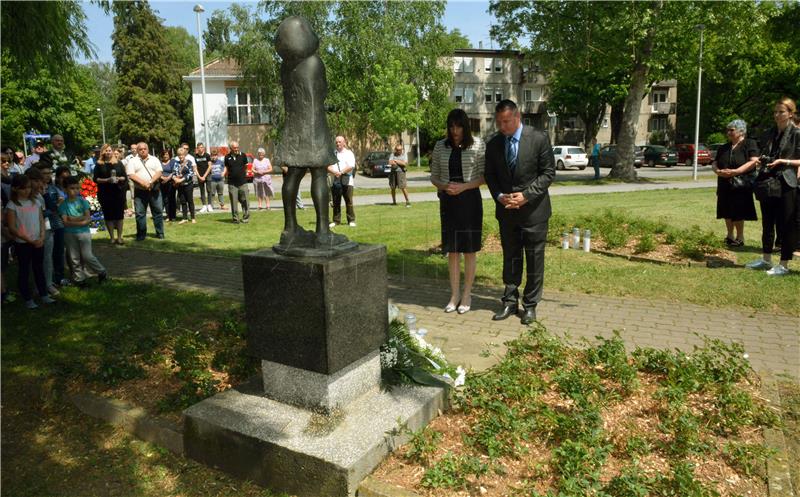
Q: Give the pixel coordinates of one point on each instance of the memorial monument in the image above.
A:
(316, 311)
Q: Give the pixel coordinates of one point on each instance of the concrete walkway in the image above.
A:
(771, 340)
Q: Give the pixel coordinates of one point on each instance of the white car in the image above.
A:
(570, 156)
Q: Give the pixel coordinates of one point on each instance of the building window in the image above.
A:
(659, 96)
(245, 107)
(475, 126)
(533, 94)
(463, 94)
(493, 64)
(492, 95)
(658, 123)
(463, 64)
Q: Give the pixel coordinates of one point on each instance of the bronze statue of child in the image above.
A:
(305, 142)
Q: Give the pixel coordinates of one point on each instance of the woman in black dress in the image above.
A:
(112, 184)
(457, 165)
(735, 206)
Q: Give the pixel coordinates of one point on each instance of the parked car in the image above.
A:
(376, 164)
(686, 154)
(655, 155)
(570, 156)
(712, 149)
(608, 156)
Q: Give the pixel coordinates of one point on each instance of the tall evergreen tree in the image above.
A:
(149, 88)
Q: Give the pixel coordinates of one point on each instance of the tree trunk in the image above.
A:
(623, 168)
(617, 109)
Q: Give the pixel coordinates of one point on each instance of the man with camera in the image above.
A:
(145, 171)
(343, 173)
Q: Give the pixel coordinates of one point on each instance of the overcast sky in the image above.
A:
(470, 17)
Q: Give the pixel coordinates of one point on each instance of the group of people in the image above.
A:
(770, 169)
(46, 223)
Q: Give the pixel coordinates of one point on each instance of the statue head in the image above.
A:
(295, 39)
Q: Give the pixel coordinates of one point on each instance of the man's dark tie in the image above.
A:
(511, 152)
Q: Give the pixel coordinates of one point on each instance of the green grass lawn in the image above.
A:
(97, 339)
(411, 234)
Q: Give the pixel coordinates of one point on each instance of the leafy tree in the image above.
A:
(187, 60)
(105, 80)
(49, 35)
(150, 91)
(396, 107)
(744, 82)
(640, 42)
(217, 36)
(354, 36)
(65, 103)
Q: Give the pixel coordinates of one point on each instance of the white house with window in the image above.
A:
(234, 112)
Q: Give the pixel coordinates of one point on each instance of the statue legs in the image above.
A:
(294, 237)
(321, 197)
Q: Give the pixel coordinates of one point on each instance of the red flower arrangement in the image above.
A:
(88, 188)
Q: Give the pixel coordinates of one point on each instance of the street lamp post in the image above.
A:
(699, 27)
(198, 9)
(102, 123)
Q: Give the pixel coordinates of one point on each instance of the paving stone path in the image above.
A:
(772, 341)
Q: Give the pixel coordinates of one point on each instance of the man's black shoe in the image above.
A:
(509, 310)
(160, 236)
(529, 316)
(102, 277)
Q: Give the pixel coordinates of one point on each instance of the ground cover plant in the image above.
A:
(160, 348)
(411, 236)
(555, 419)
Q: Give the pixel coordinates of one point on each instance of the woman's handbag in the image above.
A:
(744, 181)
(767, 187)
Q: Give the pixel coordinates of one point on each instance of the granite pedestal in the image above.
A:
(274, 444)
(317, 325)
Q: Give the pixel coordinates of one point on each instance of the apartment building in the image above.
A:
(483, 77)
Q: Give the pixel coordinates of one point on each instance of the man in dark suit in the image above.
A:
(519, 169)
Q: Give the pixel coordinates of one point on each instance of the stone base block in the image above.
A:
(289, 449)
(303, 388)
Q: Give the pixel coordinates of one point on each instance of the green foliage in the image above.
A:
(452, 471)
(395, 109)
(646, 243)
(681, 483)
(750, 459)
(65, 103)
(612, 359)
(630, 482)
(578, 465)
(695, 243)
(43, 36)
(150, 92)
(422, 445)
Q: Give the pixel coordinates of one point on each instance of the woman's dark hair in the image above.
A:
(459, 118)
(61, 170)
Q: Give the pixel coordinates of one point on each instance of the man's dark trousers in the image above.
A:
(517, 239)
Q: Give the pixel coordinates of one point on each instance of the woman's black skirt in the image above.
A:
(462, 221)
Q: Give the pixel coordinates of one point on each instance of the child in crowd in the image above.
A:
(76, 215)
(5, 246)
(39, 195)
(25, 224)
(217, 181)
